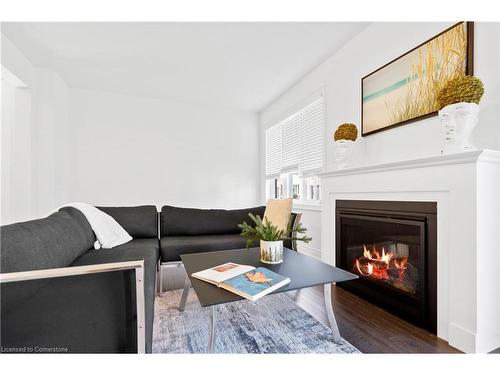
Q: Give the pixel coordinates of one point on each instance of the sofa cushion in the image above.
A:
(172, 247)
(136, 249)
(51, 242)
(138, 245)
(138, 221)
(176, 221)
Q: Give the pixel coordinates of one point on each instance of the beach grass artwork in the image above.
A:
(405, 89)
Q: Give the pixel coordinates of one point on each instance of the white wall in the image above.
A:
(15, 61)
(51, 147)
(112, 149)
(379, 43)
(39, 153)
(18, 74)
(131, 150)
(16, 176)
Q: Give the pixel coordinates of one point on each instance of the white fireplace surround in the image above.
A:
(466, 188)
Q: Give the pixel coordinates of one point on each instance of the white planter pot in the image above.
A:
(342, 153)
(458, 121)
(271, 252)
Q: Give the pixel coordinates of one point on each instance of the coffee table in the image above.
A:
(304, 271)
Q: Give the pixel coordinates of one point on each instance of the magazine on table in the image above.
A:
(246, 281)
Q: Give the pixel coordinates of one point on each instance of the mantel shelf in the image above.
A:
(489, 156)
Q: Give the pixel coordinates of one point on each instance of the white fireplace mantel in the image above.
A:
(458, 158)
(466, 188)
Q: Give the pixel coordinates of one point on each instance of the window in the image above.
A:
(294, 154)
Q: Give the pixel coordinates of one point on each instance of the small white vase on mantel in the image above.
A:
(271, 252)
(458, 122)
(343, 152)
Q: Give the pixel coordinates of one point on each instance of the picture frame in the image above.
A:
(401, 91)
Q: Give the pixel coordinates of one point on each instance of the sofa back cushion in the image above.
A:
(138, 221)
(51, 242)
(177, 221)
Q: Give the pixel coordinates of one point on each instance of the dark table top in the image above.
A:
(303, 270)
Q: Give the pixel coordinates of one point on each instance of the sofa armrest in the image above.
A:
(137, 266)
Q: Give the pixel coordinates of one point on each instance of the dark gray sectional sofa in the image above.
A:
(86, 313)
(96, 312)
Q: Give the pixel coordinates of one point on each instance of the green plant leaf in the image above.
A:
(265, 230)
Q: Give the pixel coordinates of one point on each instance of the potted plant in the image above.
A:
(458, 101)
(271, 237)
(344, 138)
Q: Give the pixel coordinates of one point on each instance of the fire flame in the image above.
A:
(378, 264)
(366, 253)
(401, 264)
(375, 255)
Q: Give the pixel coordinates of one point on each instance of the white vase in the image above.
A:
(271, 252)
(458, 122)
(343, 152)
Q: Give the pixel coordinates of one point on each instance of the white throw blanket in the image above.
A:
(107, 231)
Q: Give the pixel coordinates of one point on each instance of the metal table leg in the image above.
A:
(213, 323)
(330, 314)
(185, 293)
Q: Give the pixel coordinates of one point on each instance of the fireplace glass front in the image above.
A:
(391, 248)
(384, 251)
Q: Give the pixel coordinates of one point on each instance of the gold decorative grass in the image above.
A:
(468, 89)
(346, 131)
(442, 59)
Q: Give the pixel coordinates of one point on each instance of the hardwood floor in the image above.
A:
(366, 326)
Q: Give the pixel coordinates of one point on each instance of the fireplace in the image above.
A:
(391, 246)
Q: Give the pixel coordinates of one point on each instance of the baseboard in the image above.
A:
(308, 250)
(485, 343)
(470, 342)
(461, 338)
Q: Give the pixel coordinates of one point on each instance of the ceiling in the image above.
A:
(243, 66)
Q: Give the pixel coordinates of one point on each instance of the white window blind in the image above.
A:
(312, 126)
(291, 142)
(273, 151)
(296, 143)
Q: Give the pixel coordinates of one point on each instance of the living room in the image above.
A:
(349, 169)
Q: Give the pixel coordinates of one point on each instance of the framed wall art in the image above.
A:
(404, 90)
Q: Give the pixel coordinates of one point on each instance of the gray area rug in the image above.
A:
(274, 324)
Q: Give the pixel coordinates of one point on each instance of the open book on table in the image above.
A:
(246, 281)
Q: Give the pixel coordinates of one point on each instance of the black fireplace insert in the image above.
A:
(391, 246)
